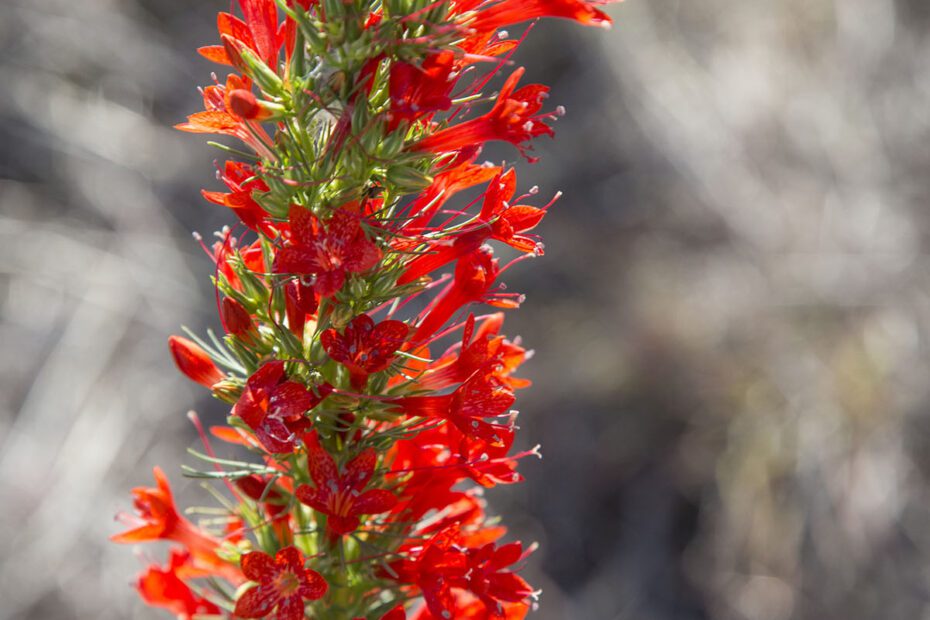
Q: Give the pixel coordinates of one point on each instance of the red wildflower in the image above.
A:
(442, 564)
(194, 362)
(475, 274)
(242, 181)
(437, 565)
(341, 497)
(513, 119)
(364, 348)
(259, 33)
(501, 13)
(284, 583)
(445, 185)
(274, 406)
(158, 519)
(165, 587)
(420, 91)
(498, 220)
(218, 117)
(487, 579)
(487, 351)
(482, 396)
(327, 253)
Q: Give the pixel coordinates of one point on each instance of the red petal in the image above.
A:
(210, 122)
(359, 469)
(259, 566)
(215, 53)
(303, 226)
(291, 608)
(313, 585)
(373, 502)
(315, 498)
(290, 559)
(257, 602)
(262, 18)
(295, 260)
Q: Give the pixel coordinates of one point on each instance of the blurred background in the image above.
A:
(731, 320)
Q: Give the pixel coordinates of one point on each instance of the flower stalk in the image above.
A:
(367, 426)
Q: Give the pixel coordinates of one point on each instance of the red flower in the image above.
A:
(194, 362)
(442, 564)
(165, 588)
(488, 352)
(475, 274)
(218, 117)
(445, 185)
(330, 253)
(259, 33)
(274, 407)
(341, 497)
(158, 519)
(437, 565)
(494, 15)
(283, 583)
(364, 348)
(420, 91)
(498, 220)
(242, 181)
(513, 119)
(487, 579)
(482, 396)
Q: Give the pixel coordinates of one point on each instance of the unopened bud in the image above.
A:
(194, 362)
(245, 105)
(236, 317)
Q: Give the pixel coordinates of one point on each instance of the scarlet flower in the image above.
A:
(158, 519)
(342, 497)
(330, 252)
(284, 583)
(475, 274)
(434, 569)
(498, 220)
(481, 350)
(242, 181)
(194, 362)
(165, 587)
(455, 178)
(442, 565)
(218, 117)
(487, 579)
(502, 13)
(513, 119)
(420, 91)
(482, 396)
(364, 348)
(259, 33)
(274, 406)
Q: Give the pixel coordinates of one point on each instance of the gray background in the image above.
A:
(731, 319)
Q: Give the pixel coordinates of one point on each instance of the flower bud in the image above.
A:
(246, 105)
(194, 362)
(236, 318)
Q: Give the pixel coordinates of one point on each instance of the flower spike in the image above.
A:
(368, 400)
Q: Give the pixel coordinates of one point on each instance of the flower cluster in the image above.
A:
(370, 390)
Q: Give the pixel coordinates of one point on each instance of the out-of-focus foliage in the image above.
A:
(732, 385)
